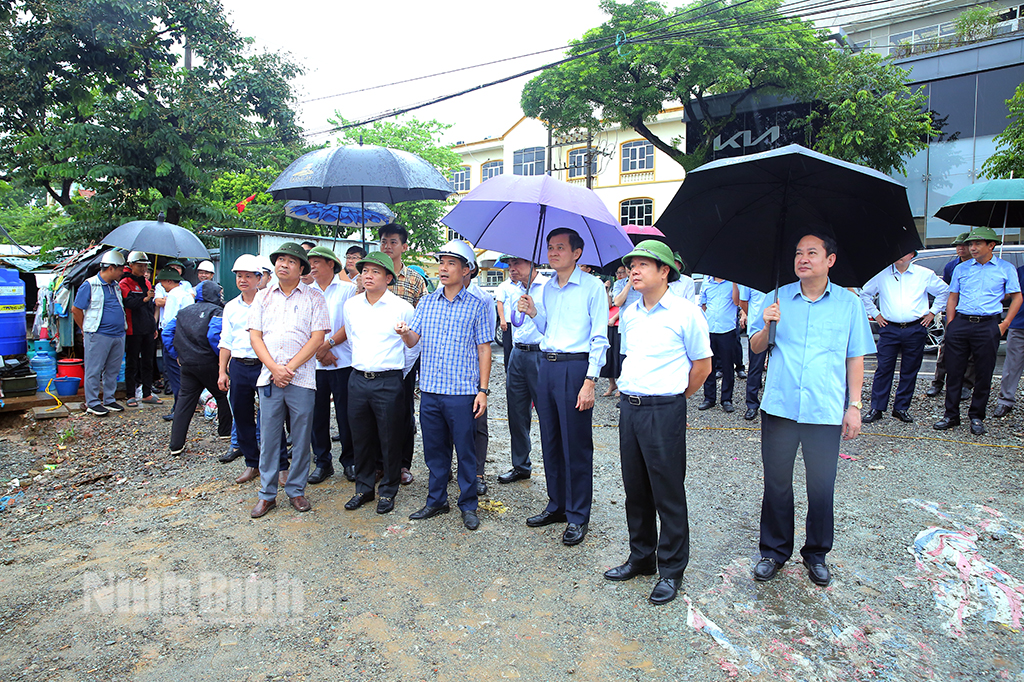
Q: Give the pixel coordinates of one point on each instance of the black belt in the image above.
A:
(648, 400)
(980, 318)
(380, 375)
(565, 357)
(247, 361)
(527, 346)
(904, 325)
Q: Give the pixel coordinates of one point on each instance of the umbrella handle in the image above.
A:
(518, 318)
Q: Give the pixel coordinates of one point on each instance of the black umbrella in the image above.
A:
(157, 237)
(360, 173)
(740, 218)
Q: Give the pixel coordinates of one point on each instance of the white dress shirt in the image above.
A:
(685, 288)
(661, 345)
(903, 297)
(177, 298)
(376, 346)
(336, 294)
(234, 331)
(526, 333)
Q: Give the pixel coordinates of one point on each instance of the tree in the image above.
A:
(28, 220)
(93, 94)
(422, 218)
(1008, 161)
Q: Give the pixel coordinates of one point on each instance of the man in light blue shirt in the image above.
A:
(720, 310)
(812, 399)
(751, 303)
(975, 304)
(574, 320)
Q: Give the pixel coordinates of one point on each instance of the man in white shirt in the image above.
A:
(175, 298)
(668, 357)
(683, 286)
(903, 316)
(376, 393)
(502, 294)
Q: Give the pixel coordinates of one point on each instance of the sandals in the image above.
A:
(152, 400)
(132, 402)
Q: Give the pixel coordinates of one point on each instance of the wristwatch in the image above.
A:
(485, 391)
(330, 340)
(859, 404)
(594, 379)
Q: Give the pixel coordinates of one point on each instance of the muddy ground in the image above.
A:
(119, 562)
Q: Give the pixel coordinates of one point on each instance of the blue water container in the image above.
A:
(12, 314)
(45, 367)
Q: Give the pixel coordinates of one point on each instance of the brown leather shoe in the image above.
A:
(282, 478)
(300, 503)
(262, 507)
(249, 474)
(406, 477)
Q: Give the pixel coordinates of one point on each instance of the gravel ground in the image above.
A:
(120, 562)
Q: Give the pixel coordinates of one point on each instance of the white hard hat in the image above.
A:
(247, 263)
(266, 264)
(459, 249)
(206, 266)
(138, 257)
(112, 257)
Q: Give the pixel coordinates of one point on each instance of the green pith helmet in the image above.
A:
(325, 252)
(986, 234)
(168, 274)
(295, 251)
(659, 251)
(960, 238)
(377, 258)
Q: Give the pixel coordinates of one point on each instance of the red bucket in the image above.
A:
(71, 368)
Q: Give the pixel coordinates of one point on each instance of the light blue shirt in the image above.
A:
(664, 343)
(755, 303)
(716, 294)
(807, 367)
(574, 318)
(632, 297)
(982, 288)
(526, 333)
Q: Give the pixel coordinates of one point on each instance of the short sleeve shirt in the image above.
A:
(450, 332)
(287, 324)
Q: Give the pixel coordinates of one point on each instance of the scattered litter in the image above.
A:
(496, 506)
(850, 457)
(398, 531)
(11, 500)
(876, 467)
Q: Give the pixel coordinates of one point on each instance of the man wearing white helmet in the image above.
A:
(140, 342)
(205, 271)
(456, 331)
(99, 311)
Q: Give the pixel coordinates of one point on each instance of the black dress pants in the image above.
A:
(965, 339)
(194, 378)
(139, 353)
(723, 346)
(376, 415)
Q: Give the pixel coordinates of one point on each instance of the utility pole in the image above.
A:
(589, 156)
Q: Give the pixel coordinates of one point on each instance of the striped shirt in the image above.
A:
(450, 332)
(409, 286)
(287, 323)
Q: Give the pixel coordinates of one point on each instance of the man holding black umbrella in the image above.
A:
(812, 399)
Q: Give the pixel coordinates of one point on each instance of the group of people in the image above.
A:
(355, 334)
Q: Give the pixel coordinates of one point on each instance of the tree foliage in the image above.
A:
(1008, 161)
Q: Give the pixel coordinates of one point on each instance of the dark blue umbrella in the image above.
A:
(157, 237)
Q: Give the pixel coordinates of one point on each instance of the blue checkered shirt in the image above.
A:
(450, 332)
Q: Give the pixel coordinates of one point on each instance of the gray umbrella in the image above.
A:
(157, 237)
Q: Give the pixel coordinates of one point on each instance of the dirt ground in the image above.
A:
(119, 562)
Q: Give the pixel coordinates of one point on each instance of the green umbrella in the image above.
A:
(995, 203)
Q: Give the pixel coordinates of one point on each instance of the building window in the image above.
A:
(636, 212)
(528, 161)
(637, 156)
(493, 278)
(490, 169)
(452, 235)
(578, 162)
(460, 179)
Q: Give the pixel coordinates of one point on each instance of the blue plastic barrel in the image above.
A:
(45, 367)
(12, 314)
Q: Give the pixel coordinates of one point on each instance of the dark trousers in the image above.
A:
(737, 351)
(907, 342)
(566, 438)
(376, 415)
(242, 397)
(331, 387)
(194, 378)
(173, 371)
(722, 348)
(820, 446)
(447, 420)
(755, 370)
(409, 432)
(520, 396)
(506, 344)
(652, 448)
(481, 439)
(138, 363)
(980, 340)
(940, 369)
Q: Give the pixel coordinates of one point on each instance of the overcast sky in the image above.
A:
(348, 45)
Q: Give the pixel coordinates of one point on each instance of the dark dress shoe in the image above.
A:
(933, 391)
(545, 518)
(751, 414)
(630, 570)
(977, 427)
(766, 569)
(168, 417)
(358, 500)
(664, 591)
(513, 475)
(385, 505)
(428, 512)
(249, 474)
(336, 439)
(470, 520)
(262, 507)
(727, 406)
(903, 416)
(741, 374)
(818, 573)
(574, 534)
(481, 486)
(965, 394)
(321, 474)
(706, 405)
(1001, 410)
(230, 456)
(407, 477)
(946, 423)
(300, 503)
(350, 472)
(872, 415)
